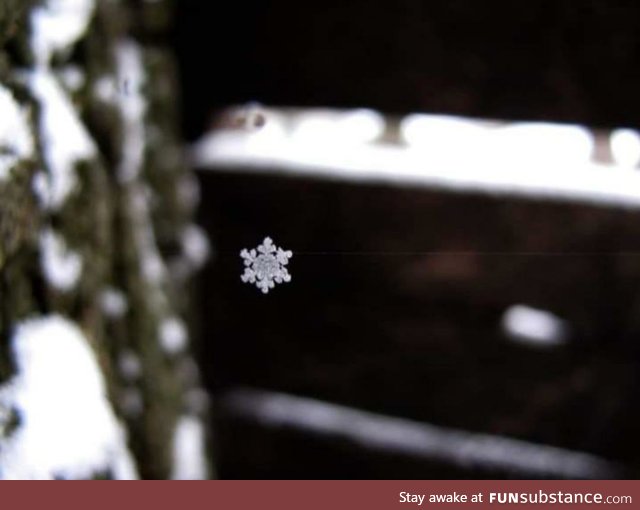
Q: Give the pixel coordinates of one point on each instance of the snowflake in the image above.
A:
(266, 266)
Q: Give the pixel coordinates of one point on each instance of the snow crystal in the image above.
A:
(266, 267)
(61, 266)
(15, 139)
(173, 335)
(65, 140)
(67, 428)
(113, 303)
(189, 462)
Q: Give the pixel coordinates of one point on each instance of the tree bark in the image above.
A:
(96, 237)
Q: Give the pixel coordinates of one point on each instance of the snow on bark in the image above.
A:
(114, 303)
(133, 106)
(61, 266)
(189, 462)
(92, 182)
(195, 246)
(65, 140)
(16, 142)
(57, 24)
(173, 336)
(66, 426)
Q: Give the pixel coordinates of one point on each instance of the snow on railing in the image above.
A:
(467, 450)
(528, 159)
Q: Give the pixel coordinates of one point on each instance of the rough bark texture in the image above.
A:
(122, 226)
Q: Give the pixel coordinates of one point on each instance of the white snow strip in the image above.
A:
(57, 24)
(67, 428)
(537, 161)
(443, 135)
(189, 452)
(65, 140)
(338, 127)
(133, 106)
(16, 142)
(406, 437)
(173, 336)
(61, 266)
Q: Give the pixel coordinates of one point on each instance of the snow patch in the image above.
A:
(195, 245)
(173, 335)
(189, 462)
(65, 140)
(57, 24)
(105, 89)
(133, 106)
(72, 77)
(114, 303)
(67, 428)
(61, 266)
(130, 366)
(16, 142)
(625, 147)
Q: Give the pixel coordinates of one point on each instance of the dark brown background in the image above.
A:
(531, 59)
(417, 336)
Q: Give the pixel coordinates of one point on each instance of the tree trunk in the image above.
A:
(97, 247)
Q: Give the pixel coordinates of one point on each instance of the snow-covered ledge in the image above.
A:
(532, 160)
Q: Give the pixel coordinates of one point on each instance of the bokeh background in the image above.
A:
(482, 334)
(557, 60)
